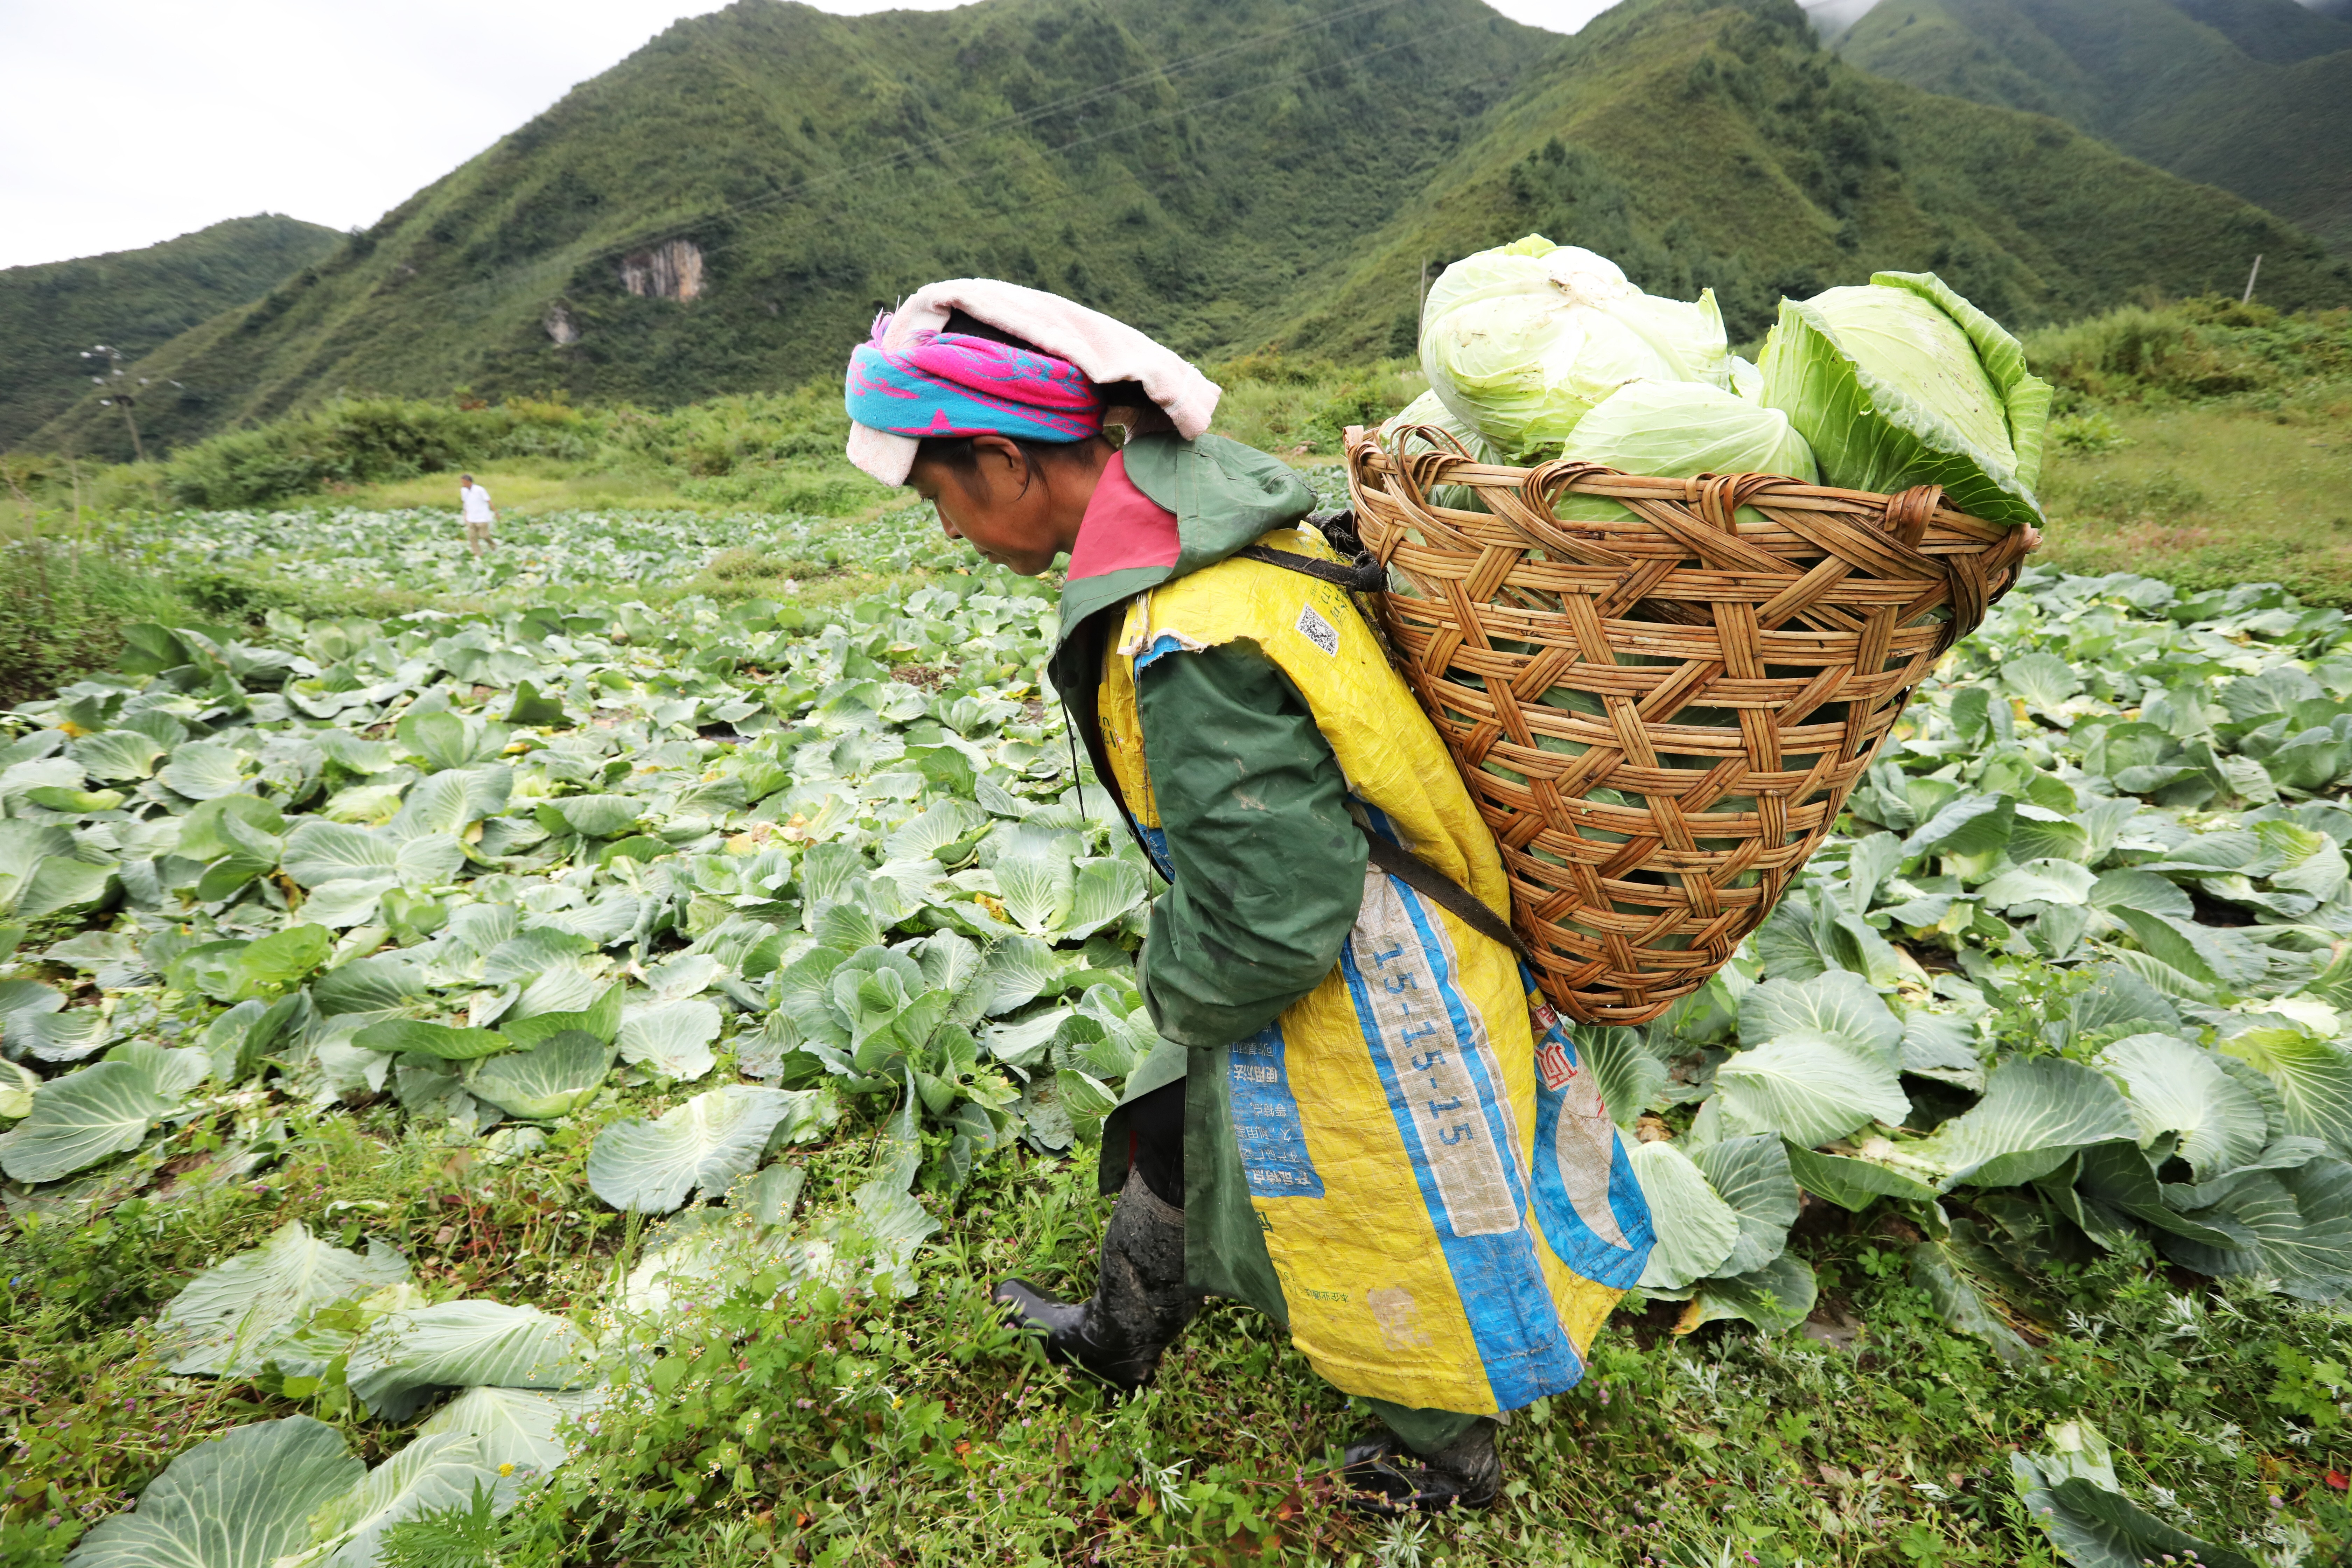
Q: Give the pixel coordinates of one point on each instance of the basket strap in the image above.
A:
(1364, 575)
(1367, 575)
(1440, 889)
(1340, 528)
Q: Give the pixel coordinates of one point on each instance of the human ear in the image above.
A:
(999, 458)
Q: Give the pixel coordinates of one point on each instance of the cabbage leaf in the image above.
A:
(1901, 382)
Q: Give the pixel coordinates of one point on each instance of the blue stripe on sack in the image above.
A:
(1537, 1303)
(1457, 1013)
(1571, 1240)
(1379, 820)
(1155, 844)
(1166, 642)
(1266, 1129)
(1498, 1279)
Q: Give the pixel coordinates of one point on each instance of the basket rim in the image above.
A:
(1801, 614)
(1362, 447)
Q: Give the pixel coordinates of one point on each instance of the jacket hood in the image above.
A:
(1226, 495)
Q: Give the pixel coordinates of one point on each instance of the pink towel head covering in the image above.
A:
(1104, 349)
(953, 384)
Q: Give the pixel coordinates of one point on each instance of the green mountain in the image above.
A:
(134, 300)
(2249, 95)
(2279, 31)
(1701, 142)
(727, 209)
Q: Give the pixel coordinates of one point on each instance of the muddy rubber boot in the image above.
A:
(1139, 1303)
(1387, 1479)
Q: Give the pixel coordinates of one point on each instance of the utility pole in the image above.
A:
(124, 396)
(2248, 297)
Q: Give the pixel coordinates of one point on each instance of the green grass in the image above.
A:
(67, 586)
(2210, 498)
(2203, 442)
(522, 485)
(849, 1430)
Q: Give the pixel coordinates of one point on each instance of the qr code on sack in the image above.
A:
(1317, 630)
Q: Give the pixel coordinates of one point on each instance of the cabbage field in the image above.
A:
(550, 1075)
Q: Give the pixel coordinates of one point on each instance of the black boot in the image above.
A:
(1139, 1303)
(1388, 1478)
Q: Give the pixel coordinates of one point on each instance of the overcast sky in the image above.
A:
(128, 122)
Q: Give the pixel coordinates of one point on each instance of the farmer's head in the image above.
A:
(1018, 502)
(465, 478)
(1008, 440)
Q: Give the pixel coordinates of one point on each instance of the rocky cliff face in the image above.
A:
(669, 271)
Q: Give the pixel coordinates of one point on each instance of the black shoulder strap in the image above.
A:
(1367, 575)
(1362, 575)
(1441, 891)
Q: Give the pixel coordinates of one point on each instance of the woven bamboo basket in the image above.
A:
(1660, 714)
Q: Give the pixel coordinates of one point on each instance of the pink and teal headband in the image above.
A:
(947, 384)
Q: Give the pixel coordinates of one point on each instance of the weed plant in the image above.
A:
(840, 1428)
(67, 588)
(2194, 351)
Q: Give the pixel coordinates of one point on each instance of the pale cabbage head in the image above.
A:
(1677, 429)
(1520, 341)
(1901, 382)
(1427, 409)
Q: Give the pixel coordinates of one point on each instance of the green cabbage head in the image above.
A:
(1520, 341)
(1427, 409)
(1901, 382)
(1677, 429)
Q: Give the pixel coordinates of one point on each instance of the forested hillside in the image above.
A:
(768, 174)
(726, 210)
(1705, 145)
(133, 300)
(2249, 95)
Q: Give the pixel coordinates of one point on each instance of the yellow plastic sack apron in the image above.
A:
(1447, 1203)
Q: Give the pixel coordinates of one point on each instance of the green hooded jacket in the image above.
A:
(1262, 897)
(1261, 900)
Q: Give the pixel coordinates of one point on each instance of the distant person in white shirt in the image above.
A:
(479, 516)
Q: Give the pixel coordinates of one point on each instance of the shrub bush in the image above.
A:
(2194, 349)
(63, 605)
(361, 441)
(365, 441)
